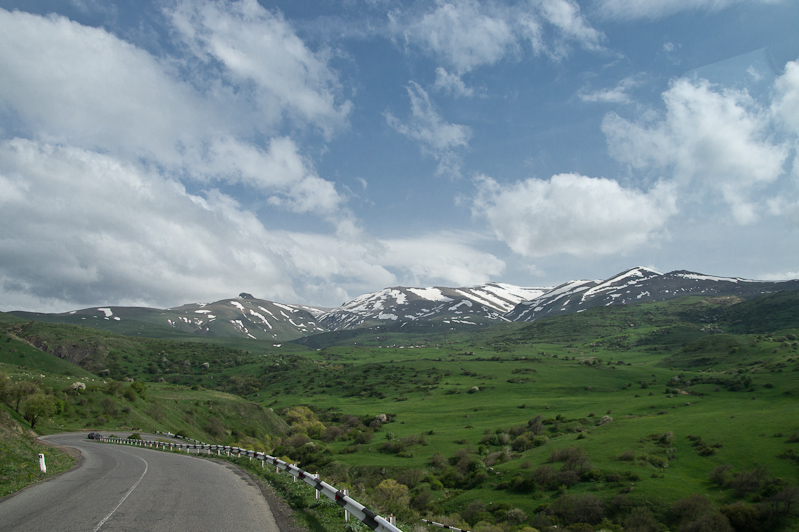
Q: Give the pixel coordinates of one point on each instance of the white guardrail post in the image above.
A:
(341, 497)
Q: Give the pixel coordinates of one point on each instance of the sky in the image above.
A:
(162, 152)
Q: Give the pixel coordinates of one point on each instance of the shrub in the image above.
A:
(627, 456)
(392, 496)
(641, 519)
(583, 508)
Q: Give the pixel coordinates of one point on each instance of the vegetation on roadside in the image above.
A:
(19, 456)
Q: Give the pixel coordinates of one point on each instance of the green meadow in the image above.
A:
(680, 415)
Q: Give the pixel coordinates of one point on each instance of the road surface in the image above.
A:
(121, 488)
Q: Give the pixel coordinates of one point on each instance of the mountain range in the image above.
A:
(248, 317)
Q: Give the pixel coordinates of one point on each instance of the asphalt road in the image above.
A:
(130, 488)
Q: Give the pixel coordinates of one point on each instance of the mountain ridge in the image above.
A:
(246, 316)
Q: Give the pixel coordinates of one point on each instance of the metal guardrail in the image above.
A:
(440, 525)
(353, 507)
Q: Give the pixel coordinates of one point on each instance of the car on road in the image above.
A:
(95, 436)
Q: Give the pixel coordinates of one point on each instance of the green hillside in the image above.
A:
(679, 414)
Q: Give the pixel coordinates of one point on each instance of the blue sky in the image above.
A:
(163, 152)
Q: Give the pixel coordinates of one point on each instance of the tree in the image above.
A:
(641, 519)
(4, 384)
(392, 495)
(19, 390)
(38, 405)
(139, 388)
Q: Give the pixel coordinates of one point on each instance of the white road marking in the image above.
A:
(107, 517)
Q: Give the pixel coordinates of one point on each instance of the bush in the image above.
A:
(583, 508)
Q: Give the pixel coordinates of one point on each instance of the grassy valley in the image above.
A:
(679, 415)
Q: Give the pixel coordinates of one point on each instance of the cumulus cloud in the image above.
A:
(98, 229)
(436, 136)
(280, 170)
(785, 106)
(780, 276)
(572, 214)
(85, 87)
(442, 257)
(716, 139)
(82, 228)
(652, 9)
(75, 84)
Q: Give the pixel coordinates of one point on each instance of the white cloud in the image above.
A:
(451, 83)
(74, 84)
(718, 140)
(781, 276)
(652, 9)
(570, 25)
(785, 107)
(437, 137)
(98, 229)
(618, 94)
(280, 169)
(466, 34)
(572, 214)
(103, 231)
(85, 87)
(461, 33)
(255, 46)
(441, 258)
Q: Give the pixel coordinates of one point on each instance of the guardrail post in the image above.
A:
(316, 477)
(41, 463)
(346, 513)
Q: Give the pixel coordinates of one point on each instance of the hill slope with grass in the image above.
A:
(679, 413)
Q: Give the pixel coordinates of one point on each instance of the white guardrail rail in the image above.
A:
(353, 507)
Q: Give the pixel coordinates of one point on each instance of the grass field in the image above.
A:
(598, 420)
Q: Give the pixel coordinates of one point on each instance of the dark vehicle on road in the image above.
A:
(95, 436)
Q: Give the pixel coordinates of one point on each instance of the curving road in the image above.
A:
(130, 488)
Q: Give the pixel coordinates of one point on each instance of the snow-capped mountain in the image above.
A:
(458, 305)
(248, 317)
(639, 285)
(243, 316)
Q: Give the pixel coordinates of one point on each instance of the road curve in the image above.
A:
(121, 488)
